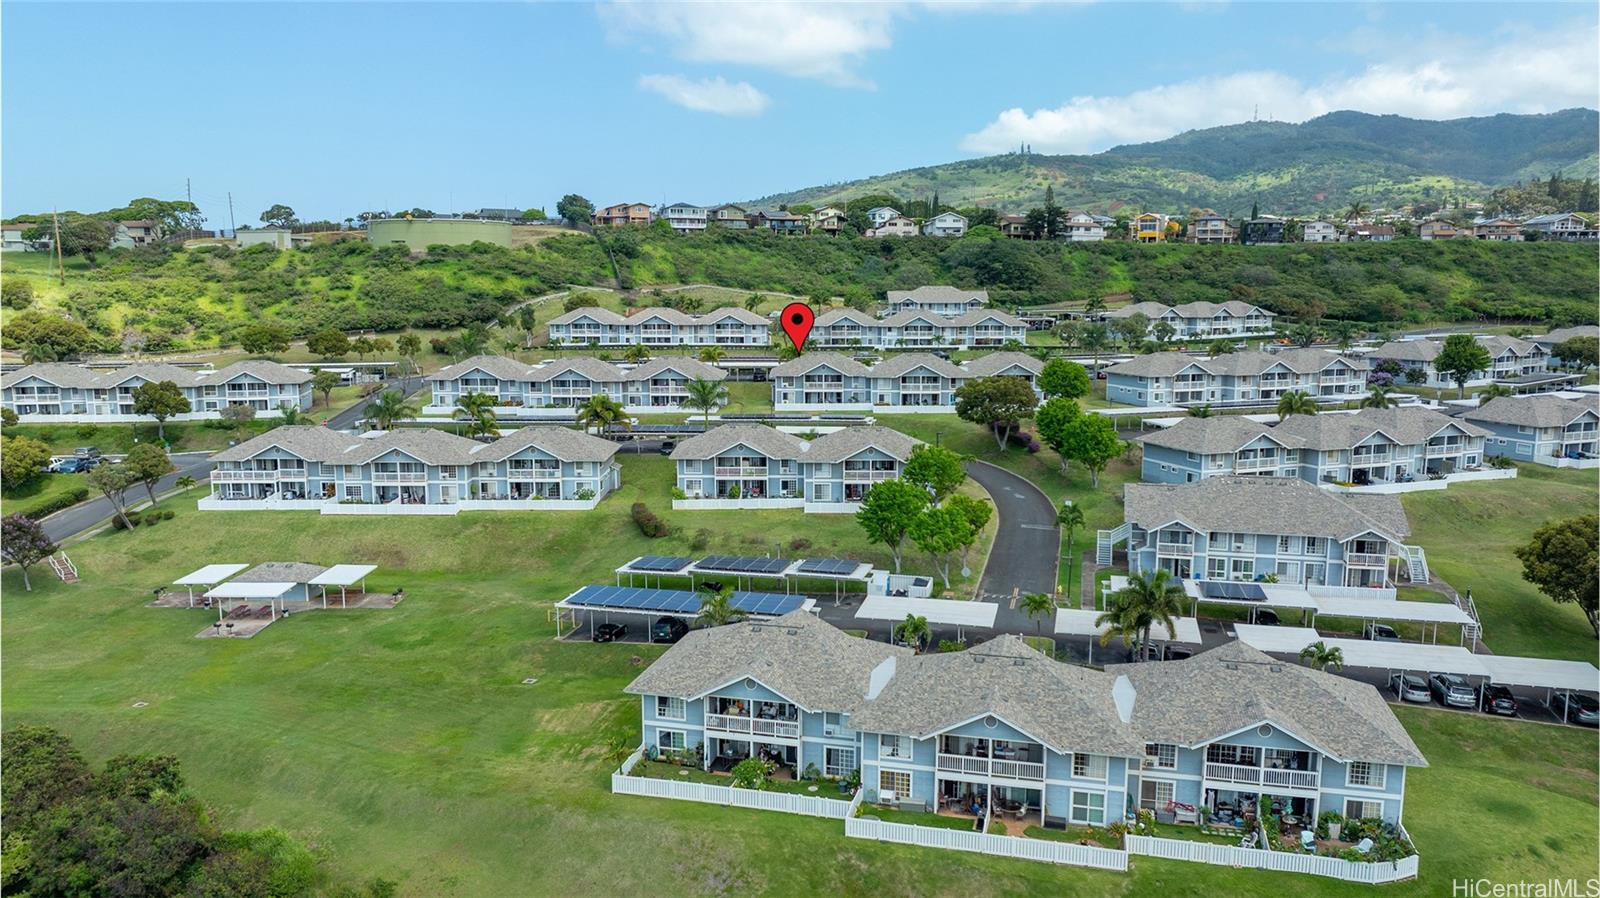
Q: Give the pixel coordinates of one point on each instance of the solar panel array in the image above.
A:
(741, 564)
(835, 566)
(660, 563)
(1241, 591)
(679, 601)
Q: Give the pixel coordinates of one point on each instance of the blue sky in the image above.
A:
(334, 109)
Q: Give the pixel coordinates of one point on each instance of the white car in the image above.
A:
(1411, 688)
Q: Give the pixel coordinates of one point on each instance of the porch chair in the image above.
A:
(1308, 841)
(1248, 841)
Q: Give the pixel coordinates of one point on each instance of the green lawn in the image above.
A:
(917, 818)
(402, 743)
(1075, 834)
(1470, 532)
(41, 492)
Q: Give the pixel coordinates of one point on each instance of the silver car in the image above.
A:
(1452, 691)
(1410, 688)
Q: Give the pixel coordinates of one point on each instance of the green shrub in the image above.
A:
(648, 523)
(66, 500)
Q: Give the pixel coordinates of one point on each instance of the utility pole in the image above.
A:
(232, 228)
(61, 261)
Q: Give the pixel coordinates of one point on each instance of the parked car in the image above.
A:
(1453, 691)
(1410, 688)
(1266, 617)
(87, 452)
(1380, 633)
(610, 632)
(711, 585)
(1176, 653)
(1497, 699)
(1575, 708)
(668, 629)
(70, 466)
(666, 447)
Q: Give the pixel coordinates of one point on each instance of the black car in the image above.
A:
(668, 629)
(711, 585)
(1497, 699)
(610, 632)
(666, 447)
(1575, 708)
(1266, 617)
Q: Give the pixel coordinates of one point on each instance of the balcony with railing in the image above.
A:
(1366, 559)
(536, 471)
(257, 475)
(746, 717)
(406, 476)
(990, 758)
(870, 472)
(1262, 776)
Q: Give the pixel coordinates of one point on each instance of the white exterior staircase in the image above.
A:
(1106, 543)
(1416, 563)
(64, 568)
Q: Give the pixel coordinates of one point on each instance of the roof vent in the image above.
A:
(749, 683)
(977, 659)
(1020, 662)
(1264, 730)
(794, 631)
(991, 722)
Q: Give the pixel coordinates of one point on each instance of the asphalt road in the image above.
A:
(352, 416)
(1027, 545)
(86, 515)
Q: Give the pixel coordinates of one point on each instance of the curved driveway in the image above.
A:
(1027, 545)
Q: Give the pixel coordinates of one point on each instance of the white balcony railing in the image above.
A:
(1366, 559)
(255, 476)
(1017, 770)
(1020, 770)
(963, 764)
(1174, 550)
(753, 726)
(739, 471)
(1294, 779)
(1233, 773)
(869, 476)
(399, 476)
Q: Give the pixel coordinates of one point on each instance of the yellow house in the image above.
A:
(1148, 227)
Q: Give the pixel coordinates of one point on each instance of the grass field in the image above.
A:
(1470, 532)
(41, 492)
(117, 439)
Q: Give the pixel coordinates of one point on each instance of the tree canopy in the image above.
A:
(1561, 561)
(996, 402)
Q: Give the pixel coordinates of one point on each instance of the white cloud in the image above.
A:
(1512, 76)
(808, 40)
(708, 94)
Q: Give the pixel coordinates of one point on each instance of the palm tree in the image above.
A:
(1096, 338)
(599, 412)
(185, 482)
(1302, 335)
(1070, 519)
(913, 631)
(1379, 397)
(1219, 347)
(752, 302)
(705, 395)
(1200, 411)
(472, 339)
(1493, 391)
(389, 408)
(477, 409)
(34, 353)
(1321, 657)
(1354, 211)
(290, 413)
(786, 351)
(636, 353)
(712, 354)
(1345, 333)
(716, 609)
(1154, 597)
(1039, 605)
(1295, 402)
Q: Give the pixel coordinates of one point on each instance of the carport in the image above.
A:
(342, 576)
(1543, 673)
(1370, 610)
(950, 612)
(1248, 595)
(1081, 622)
(270, 592)
(653, 603)
(208, 576)
(1402, 657)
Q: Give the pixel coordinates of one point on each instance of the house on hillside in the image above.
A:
(1545, 430)
(1211, 228)
(686, 218)
(1081, 227)
(1234, 528)
(945, 224)
(136, 232)
(1510, 358)
(623, 214)
(1437, 230)
(898, 226)
(1148, 227)
(727, 326)
(524, 391)
(756, 466)
(1502, 229)
(1560, 335)
(1371, 233)
(879, 215)
(1239, 378)
(1016, 226)
(1320, 231)
(62, 393)
(730, 216)
(848, 328)
(1562, 226)
(779, 223)
(1263, 231)
(11, 239)
(829, 220)
(1202, 319)
(940, 300)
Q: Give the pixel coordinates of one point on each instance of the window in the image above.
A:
(1089, 767)
(1365, 773)
(1155, 794)
(894, 747)
(1243, 542)
(1244, 569)
(897, 782)
(1356, 809)
(833, 724)
(1088, 807)
(691, 466)
(1161, 754)
(839, 761)
(668, 708)
(352, 492)
(670, 740)
(1216, 568)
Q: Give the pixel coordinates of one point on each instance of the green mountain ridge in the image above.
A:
(1316, 167)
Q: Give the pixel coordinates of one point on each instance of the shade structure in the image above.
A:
(1369, 609)
(1269, 595)
(249, 590)
(676, 602)
(210, 574)
(1081, 622)
(743, 565)
(831, 569)
(1544, 673)
(950, 612)
(343, 575)
(656, 564)
(1411, 656)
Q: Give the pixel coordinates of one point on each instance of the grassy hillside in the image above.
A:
(199, 299)
(1310, 168)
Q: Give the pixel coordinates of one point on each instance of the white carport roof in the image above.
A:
(1373, 609)
(249, 590)
(1367, 653)
(938, 611)
(1079, 622)
(1545, 673)
(343, 575)
(1275, 595)
(211, 573)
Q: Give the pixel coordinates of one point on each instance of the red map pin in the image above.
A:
(797, 319)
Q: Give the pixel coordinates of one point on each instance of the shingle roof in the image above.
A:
(1066, 707)
(798, 655)
(1217, 435)
(59, 373)
(766, 440)
(939, 293)
(1531, 411)
(602, 316)
(967, 319)
(429, 446)
(1234, 687)
(902, 363)
(497, 366)
(591, 368)
(741, 314)
(1563, 334)
(151, 371)
(308, 441)
(1166, 364)
(65, 375)
(1156, 310)
(280, 572)
(800, 365)
(690, 368)
(994, 362)
(1273, 505)
(1407, 426)
(849, 441)
(834, 316)
(562, 442)
(1428, 350)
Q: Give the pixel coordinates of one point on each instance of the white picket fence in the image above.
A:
(1371, 872)
(985, 843)
(734, 504)
(785, 802)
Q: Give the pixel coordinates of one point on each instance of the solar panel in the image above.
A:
(765, 603)
(660, 563)
(828, 566)
(679, 601)
(1244, 592)
(742, 564)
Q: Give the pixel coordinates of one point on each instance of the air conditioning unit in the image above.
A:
(888, 796)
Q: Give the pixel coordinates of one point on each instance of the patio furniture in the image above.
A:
(1248, 841)
(1308, 840)
(1364, 846)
